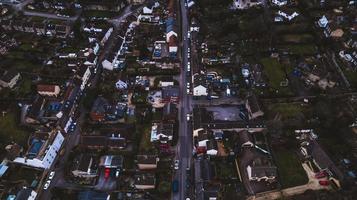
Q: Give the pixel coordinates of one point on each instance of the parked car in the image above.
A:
(51, 175)
(177, 162)
(188, 116)
(175, 185)
(47, 184)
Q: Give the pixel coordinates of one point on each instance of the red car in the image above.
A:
(106, 173)
(320, 175)
(324, 182)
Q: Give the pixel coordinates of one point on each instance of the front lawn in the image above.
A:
(290, 170)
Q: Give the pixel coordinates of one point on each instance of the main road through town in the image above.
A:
(184, 146)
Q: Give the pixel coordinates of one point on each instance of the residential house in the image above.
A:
(97, 142)
(39, 28)
(28, 27)
(47, 152)
(85, 166)
(211, 147)
(171, 94)
(162, 132)
(147, 162)
(170, 28)
(245, 139)
(261, 168)
(201, 136)
(99, 109)
(35, 110)
(9, 79)
(199, 85)
(136, 2)
(116, 142)
(280, 2)
(62, 31)
(91, 60)
(144, 181)
(253, 107)
(92, 195)
(25, 194)
(111, 161)
(17, 25)
(323, 23)
(48, 90)
(169, 112)
(173, 47)
(7, 25)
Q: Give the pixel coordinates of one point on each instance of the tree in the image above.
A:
(90, 97)
(164, 187)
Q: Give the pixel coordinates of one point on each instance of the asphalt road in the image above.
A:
(184, 146)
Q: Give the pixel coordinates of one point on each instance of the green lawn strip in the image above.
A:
(290, 170)
(274, 71)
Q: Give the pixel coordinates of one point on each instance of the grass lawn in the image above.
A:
(290, 170)
(9, 131)
(225, 170)
(274, 71)
(287, 110)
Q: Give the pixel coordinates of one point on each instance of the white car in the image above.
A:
(188, 86)
(177, 162)
(47, 184)
(51, 175)
(188, 91)
(188, 116)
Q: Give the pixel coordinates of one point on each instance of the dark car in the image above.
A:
(175, 185)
